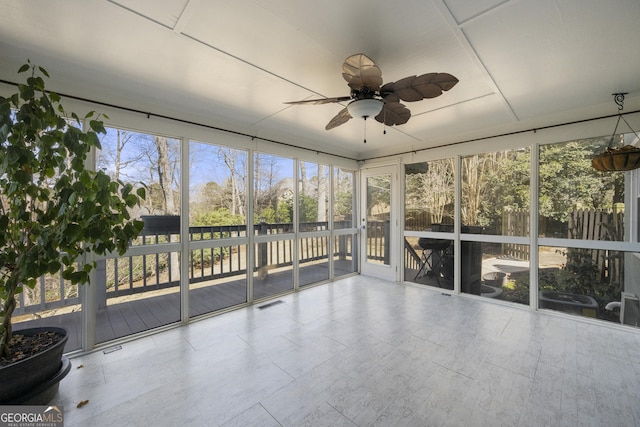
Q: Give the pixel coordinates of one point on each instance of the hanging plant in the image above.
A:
(618, 159)
(621, 159)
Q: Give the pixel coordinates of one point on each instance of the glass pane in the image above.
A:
(313, 260)
(591, 283)
(495, 193)
(217, 191)
(345, 260)
(429, 194)
(274, 268)
(154, 161)
(136, 294)
(273, 194)
(576, 201)
(53, 301)
(343, 198)
(496, 270)
(61, 304)
(313, 196)
(217, 278)
(378, 217)
(429, 261)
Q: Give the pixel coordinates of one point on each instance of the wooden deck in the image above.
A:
(148, 312)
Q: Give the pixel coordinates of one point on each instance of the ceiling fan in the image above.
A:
(370, 98)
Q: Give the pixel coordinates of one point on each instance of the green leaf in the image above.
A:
(43, 71)
(24, 68)
(26, 92)
(97, 126)
(51, 203)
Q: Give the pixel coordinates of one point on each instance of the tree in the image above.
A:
(268, 186)
(234, 159)
(111, 154)
(343, 195)
(507, 187)
(307, 208)
(322, 192)
(567, 180)
(53, 210)
(166, 175)
(476, 172)
(432, 191)
(378, 195)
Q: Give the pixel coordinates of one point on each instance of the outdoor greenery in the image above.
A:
(53, 210)
(496, 186)
(492, 182)
(431, 191)
(568, 182)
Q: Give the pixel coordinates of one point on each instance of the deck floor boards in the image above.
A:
(119, 320)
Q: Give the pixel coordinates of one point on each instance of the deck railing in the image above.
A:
(131, 275)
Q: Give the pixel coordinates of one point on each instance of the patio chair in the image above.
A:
(433, 251)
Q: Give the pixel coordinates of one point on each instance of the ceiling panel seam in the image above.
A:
(464, 101)
(446, 14)
(257, 67)
(482, 13)
(186, 15)
(135, 12)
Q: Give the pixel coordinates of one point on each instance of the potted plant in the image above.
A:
(54, 213)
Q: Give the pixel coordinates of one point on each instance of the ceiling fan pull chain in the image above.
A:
(384, 121)
(365, 129)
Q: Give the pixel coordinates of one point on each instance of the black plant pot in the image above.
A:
(35, 380)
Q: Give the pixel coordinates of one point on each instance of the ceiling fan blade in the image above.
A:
(403, 89)
(393, 113)
(445, 80)
(341, 118)
(390, 97)
(320, 100)
(412, 88)
(359, 70)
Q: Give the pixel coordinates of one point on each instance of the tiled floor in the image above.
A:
(365, 352)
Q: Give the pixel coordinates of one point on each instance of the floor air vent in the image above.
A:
(261, 307)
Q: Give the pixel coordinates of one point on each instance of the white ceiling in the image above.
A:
(233, 64)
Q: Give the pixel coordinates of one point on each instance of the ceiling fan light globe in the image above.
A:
(363, 108)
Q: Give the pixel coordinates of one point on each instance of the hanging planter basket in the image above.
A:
(618, 159)
(622, 159)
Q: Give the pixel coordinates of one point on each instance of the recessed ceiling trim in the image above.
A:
(244, 61)
(479, 14)
(184, 18)
(464, 101)
(471, 51)
(142, 15)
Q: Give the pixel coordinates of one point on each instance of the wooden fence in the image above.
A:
(583, 224)
(515, 222)
(600, 224)
(420, 220)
